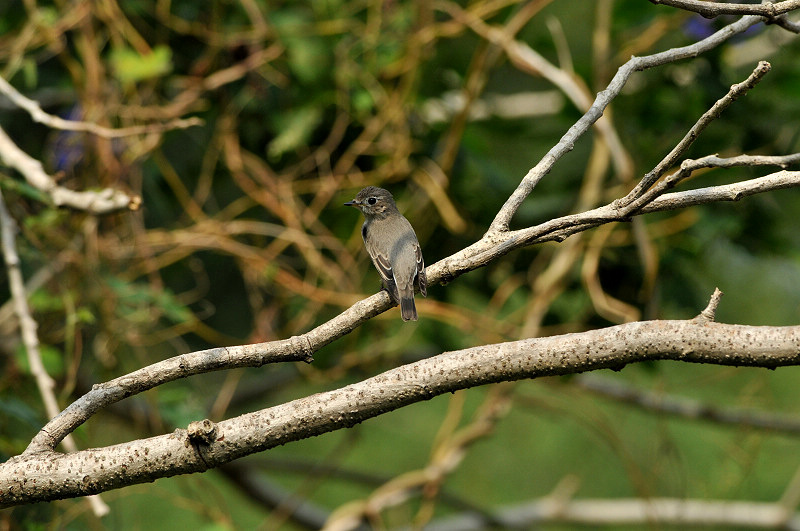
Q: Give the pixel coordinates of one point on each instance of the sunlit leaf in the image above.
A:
(129, 66)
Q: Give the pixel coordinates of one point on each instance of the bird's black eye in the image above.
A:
(372, 200)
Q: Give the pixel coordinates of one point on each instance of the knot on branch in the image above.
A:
(201, 432)
(302, 344)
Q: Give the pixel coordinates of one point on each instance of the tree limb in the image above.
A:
(708, 9)
(47, 475)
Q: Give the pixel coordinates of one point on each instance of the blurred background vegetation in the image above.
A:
(242, 238)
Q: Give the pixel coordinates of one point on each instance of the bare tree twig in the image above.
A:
(603, 99)
(492, 246)
(57, 122)
(102, 395)
(726, 192)
(100, 202)
(30, 339)
(789, 25)
(740, 89)
(687, 408)
(665, 511)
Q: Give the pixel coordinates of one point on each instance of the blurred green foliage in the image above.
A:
(242, 238)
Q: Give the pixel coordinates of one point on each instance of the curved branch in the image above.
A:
(102, 395)
(47, 475)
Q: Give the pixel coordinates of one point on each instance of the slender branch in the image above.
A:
(638, 196)
(789, 25)
(105, 394)
(603, 99)
(492, 246)
(726, 192)
(48, 475)
(30, 338)
(647, 512)
(687, 408)
(56, 122)
(100, 202)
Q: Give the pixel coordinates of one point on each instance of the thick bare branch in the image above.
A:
(47, 475)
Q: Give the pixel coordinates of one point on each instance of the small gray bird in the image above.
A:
(393, 246)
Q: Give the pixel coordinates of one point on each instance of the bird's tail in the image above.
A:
(408, 310)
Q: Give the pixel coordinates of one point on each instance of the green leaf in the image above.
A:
(295, 130)
(85, 315)
(52, 359)
(13, 408)
(137, 301)
(129, 66)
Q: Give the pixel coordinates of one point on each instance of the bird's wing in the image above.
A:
(421, 278)
(382, 265)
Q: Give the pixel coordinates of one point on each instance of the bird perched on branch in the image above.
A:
(393, 246)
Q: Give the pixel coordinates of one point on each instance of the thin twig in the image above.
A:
(687, 408)
(30, 339)
(56, 122)
(103, 395)
(638, 196)
(99, 202)
(603, 99)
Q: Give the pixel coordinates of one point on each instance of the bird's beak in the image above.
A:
(352, 203)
